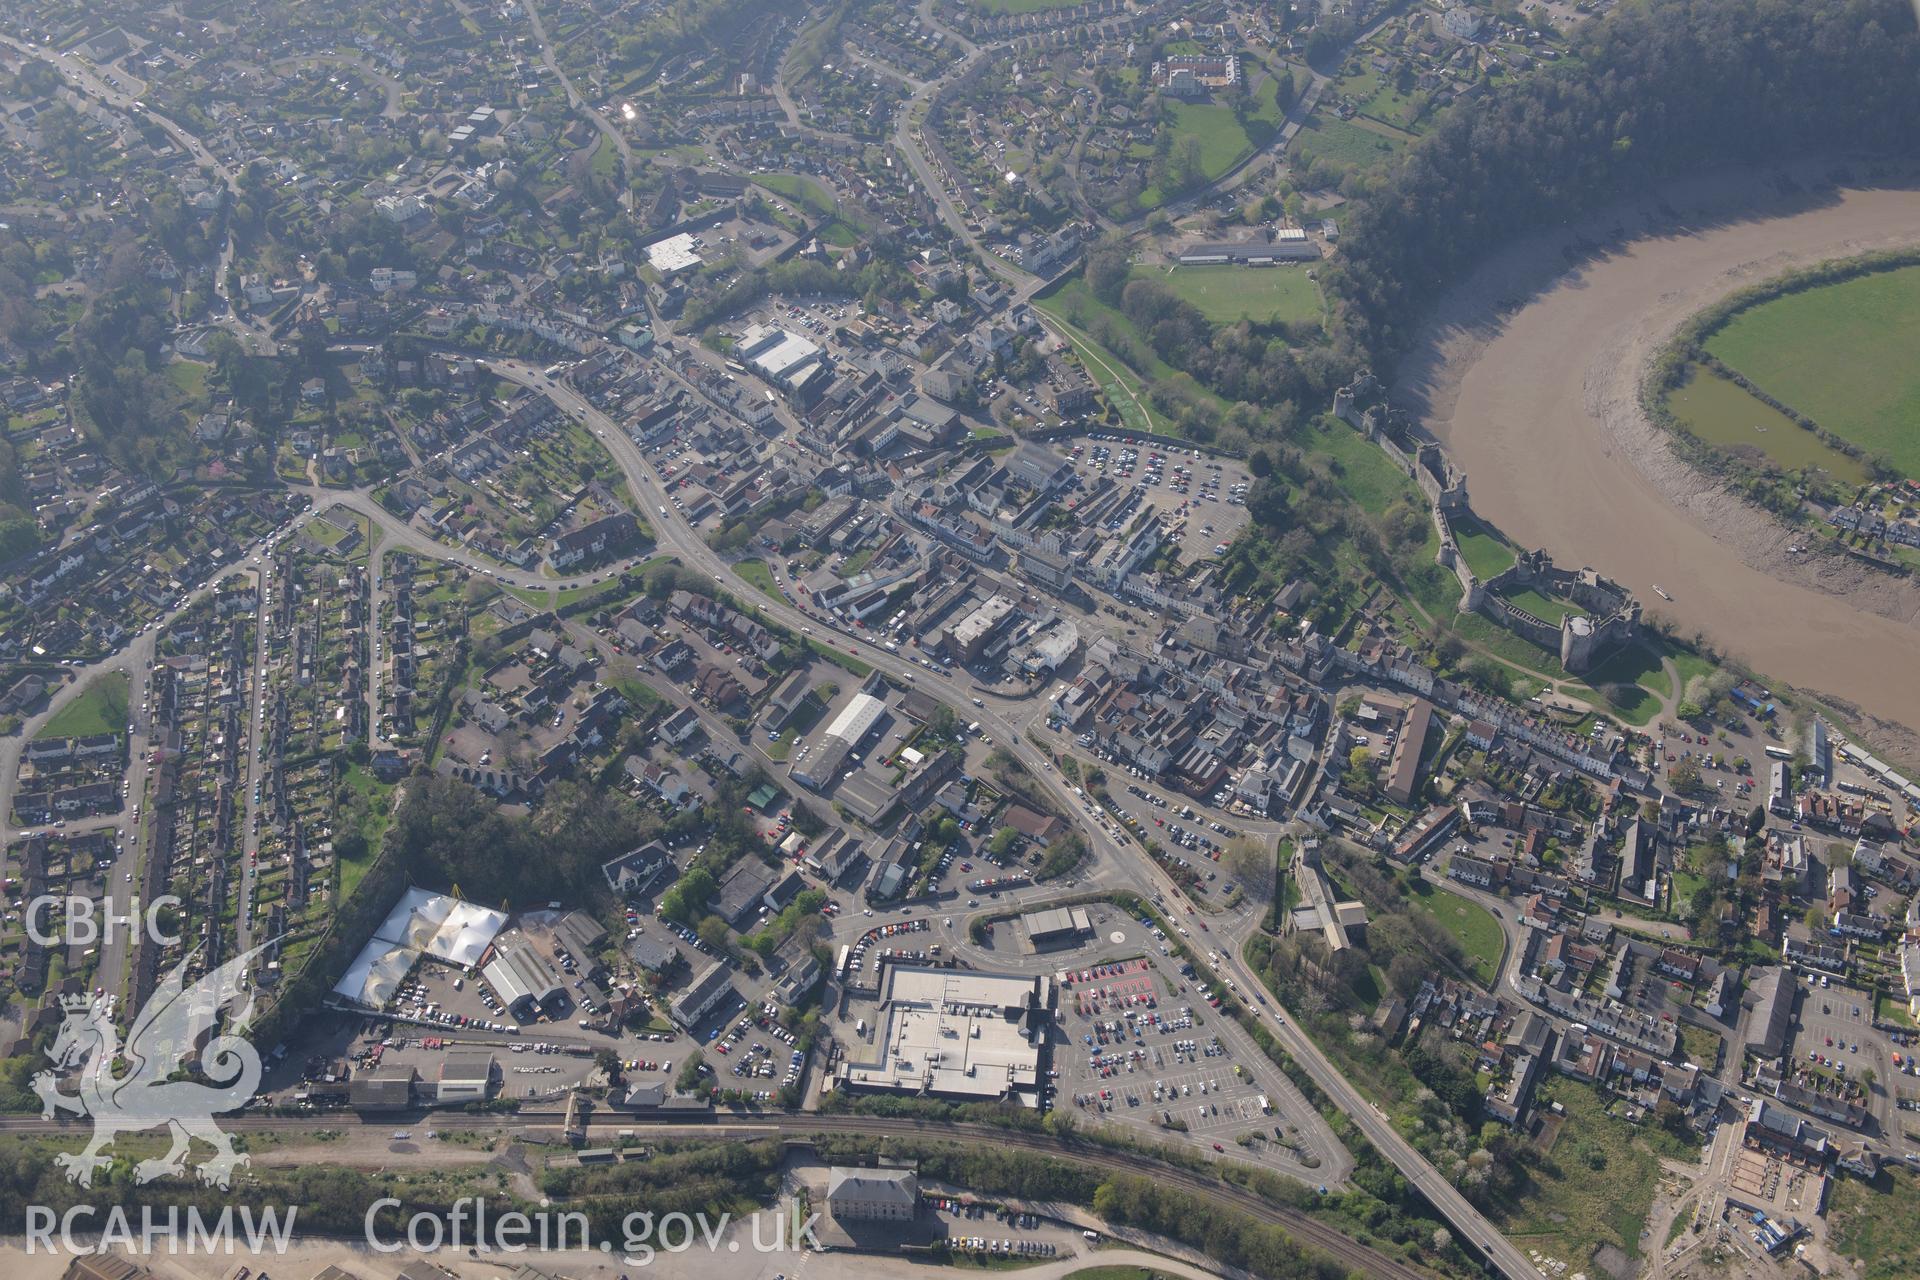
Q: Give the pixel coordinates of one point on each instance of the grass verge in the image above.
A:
(100, 708)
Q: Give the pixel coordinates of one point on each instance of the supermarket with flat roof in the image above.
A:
(952, 1033)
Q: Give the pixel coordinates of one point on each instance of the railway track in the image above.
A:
(1301, 1226)
(1304, 1228)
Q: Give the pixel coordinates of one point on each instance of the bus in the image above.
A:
(734, 366)
(1779, 753)
(840, 966)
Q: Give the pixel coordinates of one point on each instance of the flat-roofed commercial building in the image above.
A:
(972, 633)
(954, 1033)
(673, 255)
(783, 358)
(1056, 926)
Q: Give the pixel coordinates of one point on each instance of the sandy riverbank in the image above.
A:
(1529, 372)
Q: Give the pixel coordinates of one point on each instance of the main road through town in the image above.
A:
(1000, 719)
(677, 537)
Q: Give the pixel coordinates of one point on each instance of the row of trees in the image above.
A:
(1232, 1237)
(448, 833)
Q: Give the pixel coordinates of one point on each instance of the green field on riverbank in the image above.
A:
(1361, 469)
(1349, 144)
(1728, 416)
(1843, 354)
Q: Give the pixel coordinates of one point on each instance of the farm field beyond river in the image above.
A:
(1559, 455)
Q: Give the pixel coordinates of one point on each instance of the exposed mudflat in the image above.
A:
(1530, 372)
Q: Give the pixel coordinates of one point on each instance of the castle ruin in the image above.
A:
(1612, 616)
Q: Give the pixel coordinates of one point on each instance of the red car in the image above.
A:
(1219, 1148)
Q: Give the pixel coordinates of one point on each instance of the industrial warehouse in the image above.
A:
(859, 718)
(785, 359)
(524, 982)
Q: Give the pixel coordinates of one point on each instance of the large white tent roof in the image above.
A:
(422, 923)
(441, 926)
(376, 973)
